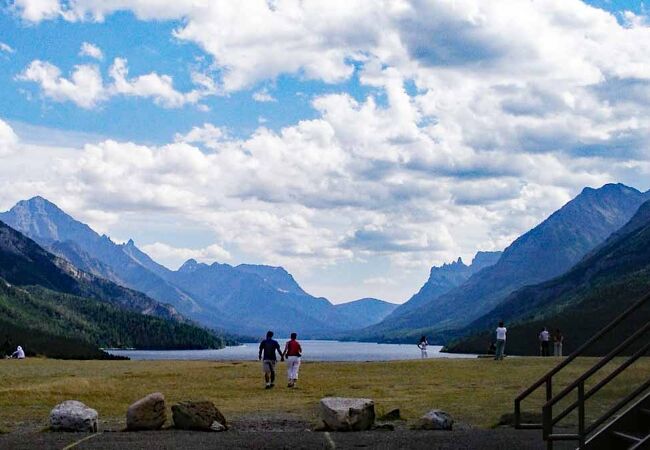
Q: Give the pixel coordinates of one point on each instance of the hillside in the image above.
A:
(59, 325)
(55, 309)
(24, 262)
(581, 301)
(546, 251)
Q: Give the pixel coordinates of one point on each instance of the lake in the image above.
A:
(312, 351)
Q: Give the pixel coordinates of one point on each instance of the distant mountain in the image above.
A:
(581, 301)
(442, 279)
(366, 311)
(44, 295)
(542, 253)
(59, 233)
(246, 299)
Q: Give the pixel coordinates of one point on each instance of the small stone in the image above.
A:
(148, 413)
(216, 426)
(202, 415)
(435, 419)
(73, 415)
(393, 414)
(347, 414)
(384, 426)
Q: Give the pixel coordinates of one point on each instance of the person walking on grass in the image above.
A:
(558, 339)
(501, 342)
(292, 353)
(422, 345)
(544, 338)
(268, 347)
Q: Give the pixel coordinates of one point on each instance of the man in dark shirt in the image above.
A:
(268, 347)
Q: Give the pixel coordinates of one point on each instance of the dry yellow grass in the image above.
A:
(476, 391)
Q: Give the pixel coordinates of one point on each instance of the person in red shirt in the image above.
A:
(292, 353)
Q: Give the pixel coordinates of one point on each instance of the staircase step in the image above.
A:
(628, 437)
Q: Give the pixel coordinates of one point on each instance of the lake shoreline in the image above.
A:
(313, 350)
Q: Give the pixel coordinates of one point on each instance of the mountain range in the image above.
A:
(546, 251)
(580, 302)
(245, 299)
(52, 308)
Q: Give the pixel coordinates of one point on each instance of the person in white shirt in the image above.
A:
(422, 345)
(19, 353)
(544, 337)
(501, 341)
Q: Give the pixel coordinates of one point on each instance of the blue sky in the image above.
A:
(357, 144)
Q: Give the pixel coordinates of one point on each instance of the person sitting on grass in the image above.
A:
(501, 342)
(292, 353)
(268, 347)
(19, 353)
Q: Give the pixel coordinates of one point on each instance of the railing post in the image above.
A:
(581, 413)
(517, 413)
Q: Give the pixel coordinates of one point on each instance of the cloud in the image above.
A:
(263, 96)
(8, 139)
(152, 85)
(175, 256)
(91, 50)
(38, 10)
(86, 87)
(481, 119)
(6, 48)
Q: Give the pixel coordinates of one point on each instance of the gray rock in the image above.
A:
(148, 413)
(435, 419)
(72, 415)
(201, 415)
(393, 414)
(347, 414)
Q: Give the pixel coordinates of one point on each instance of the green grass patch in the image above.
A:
(475, 391)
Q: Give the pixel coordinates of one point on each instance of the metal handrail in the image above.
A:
(642, 351)
(547, 415)
(548, 377)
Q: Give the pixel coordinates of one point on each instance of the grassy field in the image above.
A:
(474, 391)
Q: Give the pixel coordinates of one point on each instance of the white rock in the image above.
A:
(347, 414)
(72, 415)
(435, 419)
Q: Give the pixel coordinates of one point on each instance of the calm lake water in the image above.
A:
(312, 351)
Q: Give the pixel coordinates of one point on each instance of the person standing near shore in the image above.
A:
(422, 345)
(558, 339)
(292, 353)
(501, 342)
(544, 337)
(268, 347)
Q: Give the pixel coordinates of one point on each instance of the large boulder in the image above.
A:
(347, 414)
(72, 415)
(203, 416)
(148, 413)
(435, 419)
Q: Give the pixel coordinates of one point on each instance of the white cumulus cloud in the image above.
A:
(91, 50)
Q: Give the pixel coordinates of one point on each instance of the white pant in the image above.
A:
(293, 365)
(424, 353)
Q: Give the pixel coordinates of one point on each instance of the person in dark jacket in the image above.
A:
(268, 347)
